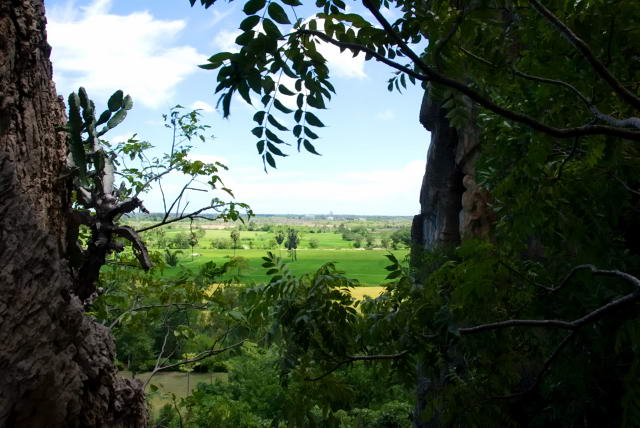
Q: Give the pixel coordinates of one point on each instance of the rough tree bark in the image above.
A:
(56, 364)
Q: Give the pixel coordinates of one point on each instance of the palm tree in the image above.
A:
(171, 257)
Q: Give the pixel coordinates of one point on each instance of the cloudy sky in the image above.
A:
(373, 148)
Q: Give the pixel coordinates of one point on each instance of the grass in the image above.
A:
(173, 382)
(367, 266)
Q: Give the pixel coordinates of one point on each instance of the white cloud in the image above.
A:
(104, 52)
(220, 16)
(388, 191)
(343, 64)
(121, 138)
(201, 105)
(386, 115)
(365, 192)
(225, 40)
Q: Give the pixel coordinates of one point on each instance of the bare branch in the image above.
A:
(352, 358)
(542, 372)
(200, 356)
(154, 178)
(149, 307)
(626, 186)
(577, 323)
(177, 199)
(580, 44)
(631, 121)
(194, 214)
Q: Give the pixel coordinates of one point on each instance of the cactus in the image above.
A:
(93, 178)
(84, 140)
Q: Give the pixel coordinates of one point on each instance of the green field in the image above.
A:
(261, 239)
(367, 266)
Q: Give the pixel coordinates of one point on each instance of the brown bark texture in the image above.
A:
(56, 365)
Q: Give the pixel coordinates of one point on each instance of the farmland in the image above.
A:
(357, 246)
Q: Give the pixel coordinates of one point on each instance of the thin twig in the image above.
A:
(352, 358)
(173, 220)
(148, 307)
(626, 186)
(200, 356)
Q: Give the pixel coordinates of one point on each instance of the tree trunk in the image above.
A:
(56, 365)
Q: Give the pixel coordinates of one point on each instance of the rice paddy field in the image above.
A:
(366, 266)
(319, 243)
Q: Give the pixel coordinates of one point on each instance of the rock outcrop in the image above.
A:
(453, 205)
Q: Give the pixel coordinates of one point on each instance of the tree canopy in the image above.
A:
(536, 326)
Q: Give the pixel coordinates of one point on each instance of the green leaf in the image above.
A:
(309, 133)
(277, 13)
(277, 104)
(270, 160)
(244, 38)
(310, 148)
(276, 151)
(115, 101)
(272, 120)
(258, 131)
(285, 90)
(259, 117)
(273, 137)
(216, 60)
(316, 101)
(313, 120)
(253, 6)
(394, 274)
(260, 146)
(249, 22)
(292, 2)
(271, 29)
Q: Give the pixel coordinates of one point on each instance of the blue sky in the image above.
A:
(373, 148)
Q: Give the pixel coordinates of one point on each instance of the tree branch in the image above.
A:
(580, 44)
(541, 373)
(148, 307)
(486, 102)
(352, 358)
(182, 217)
(577, 323)
(200, 356)
(359, 48)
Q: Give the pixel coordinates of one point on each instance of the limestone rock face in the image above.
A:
(453, 205)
